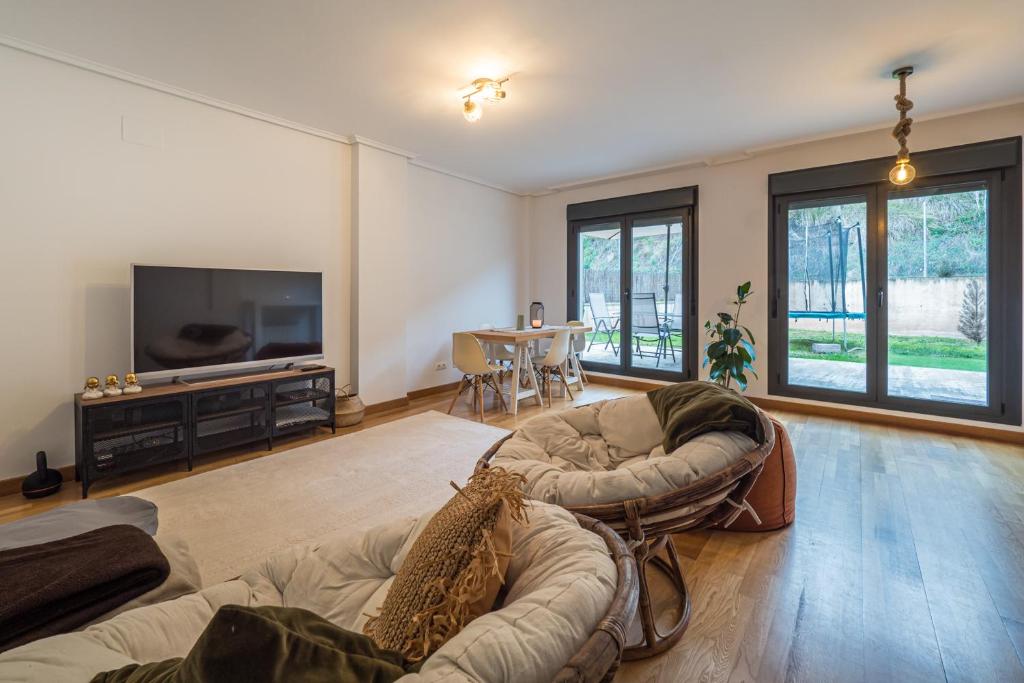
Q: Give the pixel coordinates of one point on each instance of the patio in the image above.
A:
(950, 386)
(598, 354)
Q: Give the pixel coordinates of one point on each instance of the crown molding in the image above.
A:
(881, 126)
(368, 142)
(752, 152)
(465, 178)
(614, 177)
(135, 79)
(353, 139)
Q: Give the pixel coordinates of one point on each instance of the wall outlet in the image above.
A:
(440, 365)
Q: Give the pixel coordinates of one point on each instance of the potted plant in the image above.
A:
(731, 349)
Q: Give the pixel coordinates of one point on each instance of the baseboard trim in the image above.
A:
(432, 391)
(385, 406)
(13, 485)
(889, 419)
(625, 382)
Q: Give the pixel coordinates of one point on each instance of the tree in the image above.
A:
(972, 313)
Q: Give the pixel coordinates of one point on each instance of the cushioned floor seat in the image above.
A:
(561, 585)
(773, 496)
(611, 451)
(606, 461)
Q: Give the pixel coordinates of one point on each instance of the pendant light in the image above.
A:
(902, 173)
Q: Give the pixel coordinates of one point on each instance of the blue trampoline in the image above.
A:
(834, 239)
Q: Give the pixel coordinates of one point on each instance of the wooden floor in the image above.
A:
(906, 562)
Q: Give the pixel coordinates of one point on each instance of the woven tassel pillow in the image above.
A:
(455, 568)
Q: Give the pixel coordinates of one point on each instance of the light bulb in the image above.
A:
(902, 173)
(472, 111)
(487, 92)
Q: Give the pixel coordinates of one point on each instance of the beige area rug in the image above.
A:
(235, 516)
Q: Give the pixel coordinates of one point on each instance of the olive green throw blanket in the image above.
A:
(689, 409)
(271, 645)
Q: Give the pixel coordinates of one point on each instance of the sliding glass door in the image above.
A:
(825, 257)
(937, 289)
(600, 249)
(632, 282)
(900, 298)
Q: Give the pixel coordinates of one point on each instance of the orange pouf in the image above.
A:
(774, 494)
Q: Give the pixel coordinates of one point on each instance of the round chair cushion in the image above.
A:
(773, 496)
(611, 451)
(560, 583)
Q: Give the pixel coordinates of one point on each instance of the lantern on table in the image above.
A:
(536, 315)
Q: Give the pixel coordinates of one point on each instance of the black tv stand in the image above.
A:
(181, 421)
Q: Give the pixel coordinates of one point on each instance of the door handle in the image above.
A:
(881, 297)
(627, 294)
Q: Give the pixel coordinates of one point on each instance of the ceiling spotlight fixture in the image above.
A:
(479, 91)
(902, 173)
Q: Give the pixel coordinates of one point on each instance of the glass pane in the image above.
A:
(938, 296)
(599, 287)
(827, 288)
(657, 294)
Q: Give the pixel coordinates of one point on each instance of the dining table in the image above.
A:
(522, 340)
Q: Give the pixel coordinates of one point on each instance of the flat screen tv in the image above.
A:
(187, 321)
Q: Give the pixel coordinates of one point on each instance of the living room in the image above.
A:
(516, 220)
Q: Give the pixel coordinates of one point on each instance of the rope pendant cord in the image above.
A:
(902, 128)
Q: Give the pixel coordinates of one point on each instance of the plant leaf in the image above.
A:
(717, 349)
(749, 333)
(732, 336)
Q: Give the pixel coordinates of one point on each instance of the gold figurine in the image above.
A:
(92, 389)
(131, 384)
(113, 386)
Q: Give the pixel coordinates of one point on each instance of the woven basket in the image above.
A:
(348, 408)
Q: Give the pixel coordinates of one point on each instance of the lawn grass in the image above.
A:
(942, 353)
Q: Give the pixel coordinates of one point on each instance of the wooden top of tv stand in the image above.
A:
(171, 389)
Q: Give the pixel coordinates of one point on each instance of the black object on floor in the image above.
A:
(42, 482)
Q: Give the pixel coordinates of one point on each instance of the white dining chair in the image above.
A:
(469, 358)
(579, 345)
(551, 364)
(500, 354)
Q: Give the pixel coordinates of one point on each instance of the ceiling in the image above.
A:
(599, 87)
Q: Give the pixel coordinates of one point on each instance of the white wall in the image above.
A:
(78, 205)
(733, 210)
(381, 282)
(99, 173)
(465, 267)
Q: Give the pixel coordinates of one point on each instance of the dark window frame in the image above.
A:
(997, 164)
(648, 205)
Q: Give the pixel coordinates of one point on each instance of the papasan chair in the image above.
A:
(571, 590)
(606, 461)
